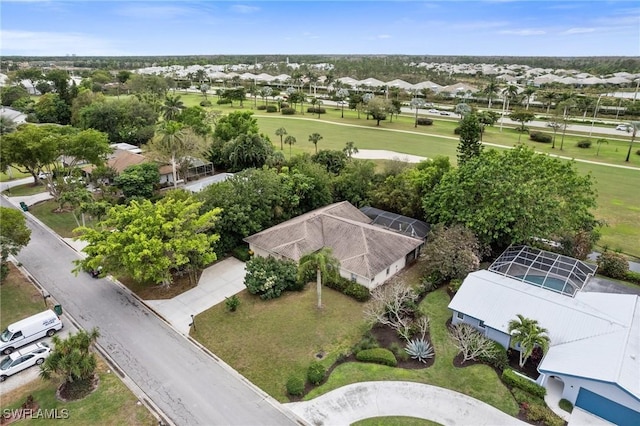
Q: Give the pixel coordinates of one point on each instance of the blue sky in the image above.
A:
(491, 27)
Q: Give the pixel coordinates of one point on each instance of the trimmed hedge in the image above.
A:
(261, 107)
(633, 277)
(223, 101)
(357, 291)
(513, 380)
(295, 386)
(584, 143)
(456, 131)
(316, 373)
(288, 111)
(540, 137)
(378, 356)
(205, 103)
(315, 110)
(424, 121)
(272, 108)
(613, 265)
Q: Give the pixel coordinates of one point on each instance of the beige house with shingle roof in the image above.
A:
(368, 254)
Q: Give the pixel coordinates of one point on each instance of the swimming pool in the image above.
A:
(546, 282)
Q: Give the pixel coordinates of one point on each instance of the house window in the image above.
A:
(353, 277)
(460, 315)
(481, 324)
(387, 271)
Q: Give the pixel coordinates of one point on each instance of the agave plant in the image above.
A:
(419, 349)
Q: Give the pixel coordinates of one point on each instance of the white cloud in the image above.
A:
(242, 8)
(578, 31)
(383, 36)
(523, 32)
(34, 43)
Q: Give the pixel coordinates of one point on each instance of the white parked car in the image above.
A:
(22, 359)
(623, 127)
(433, 111)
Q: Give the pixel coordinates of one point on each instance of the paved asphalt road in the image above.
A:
(188, 385)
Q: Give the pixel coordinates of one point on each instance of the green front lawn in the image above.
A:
(62, 223)
(19, 298)
(24, 190)
(269, 341)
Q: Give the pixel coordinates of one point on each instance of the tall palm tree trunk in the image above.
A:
(319, 287)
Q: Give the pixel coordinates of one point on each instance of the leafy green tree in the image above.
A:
(529, 334)
(126, 120)
(71, 358)
(314, 138)
(14, 234)
(9, 95)
(377, 108)
(325, 266)
(514, 196)
(235, 124)
(290, 140)
(235, 94)
(268, 277)
(33, 75)
(470, 133)
(487, 118)
(197, 119)
(463, 109)
(522, 117)
(341, 95)
(355, 183)
(333, 160)
(281, 131)
(60, 81)
(153, 240)
(51, 108)
(7, 125)
(450, 253)
(75, 197)
(138, 181)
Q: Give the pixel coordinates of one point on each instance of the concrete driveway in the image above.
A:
(358, 401)
(223, 279)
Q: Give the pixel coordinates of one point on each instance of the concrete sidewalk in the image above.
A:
(221, 280)
(364, 400)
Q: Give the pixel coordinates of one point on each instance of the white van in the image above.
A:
(29, 330)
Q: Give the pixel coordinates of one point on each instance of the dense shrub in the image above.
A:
(525, 397)
(316, 373)
(542, 413)
(205, 103)
(456, 131)
(367, 342)
(454, 285)
(565, 405)
(223, 101)
(540, 137)
(268, 277)
(284, 105)
(232, 303)
(584, 143)
(633, 277)
(337, 283)
(398, 351)
(513, 380)
(241, 253)
(261, 107)
(638, 152)
(316, 110)
(287, 111)
(497, 358)
(378, 356)
(272, 108)
(424, 121)
(613, 265)
(357, 291)
(295, 386)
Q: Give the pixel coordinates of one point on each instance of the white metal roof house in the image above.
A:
(594, 337)
(368, 254)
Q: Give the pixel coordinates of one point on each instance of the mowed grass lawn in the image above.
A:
(478, 381)
(270, 341)
(111, 404)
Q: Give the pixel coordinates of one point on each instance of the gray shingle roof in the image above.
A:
(361, 248)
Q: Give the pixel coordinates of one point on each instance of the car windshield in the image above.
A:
(6, 362)
(5, 336)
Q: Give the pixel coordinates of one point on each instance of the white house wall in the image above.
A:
(610, 391)
(491, 333)
(383, 276)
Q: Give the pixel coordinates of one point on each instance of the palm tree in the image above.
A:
(323, 263)
(281, 131)
(71, 357)
(599, 142)
(548, 96)
(315, 138)
(172, 107)
(528, 92)
(170, 143)
(510, 92)
(634, 126)
(528, 333)
(350, 149)
(342, 94)
(290, 140)
(490, 90)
